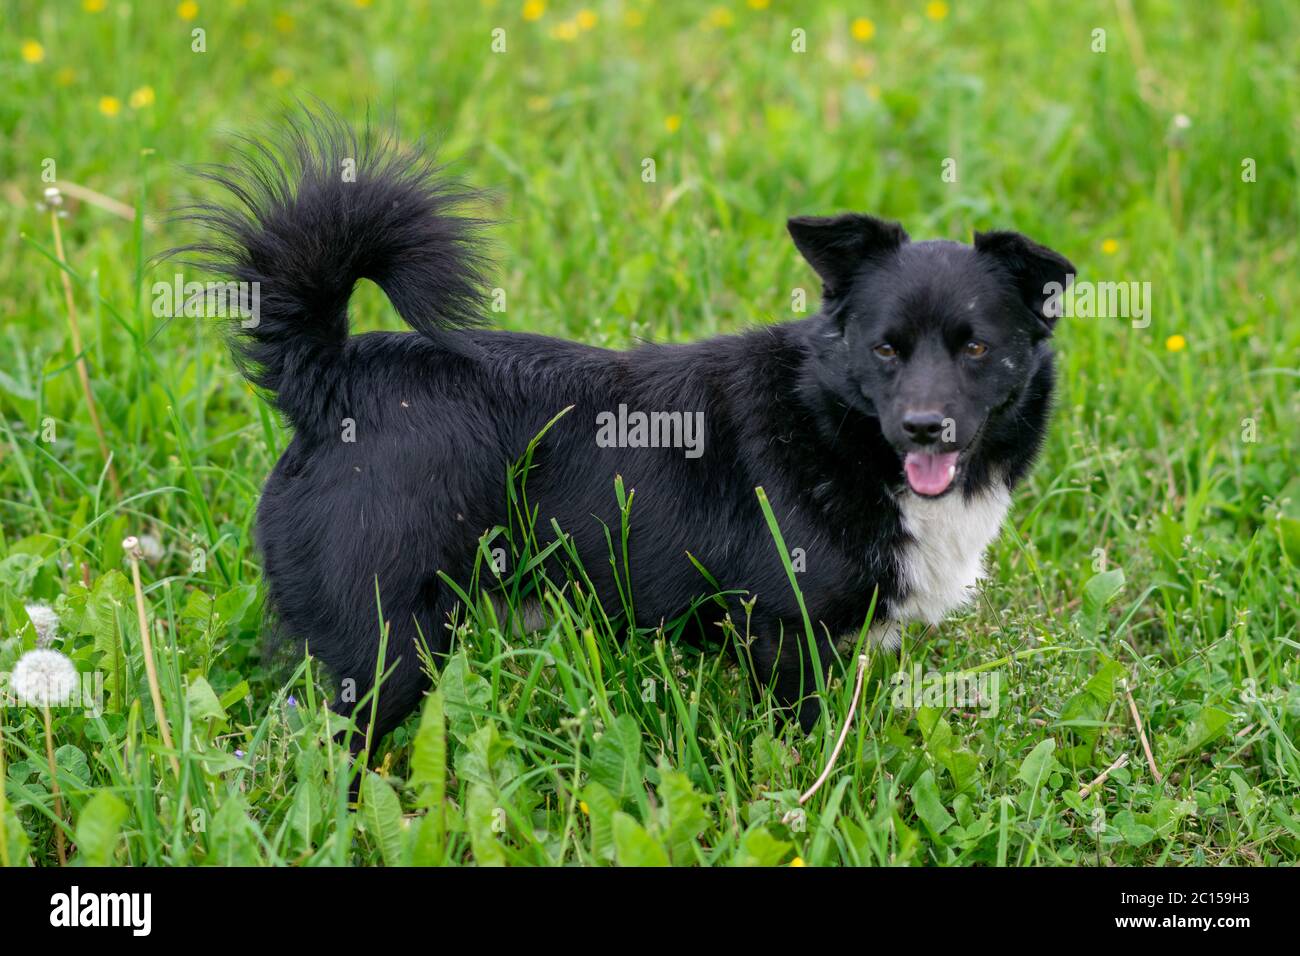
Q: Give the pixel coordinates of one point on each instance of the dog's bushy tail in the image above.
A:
(308, 217)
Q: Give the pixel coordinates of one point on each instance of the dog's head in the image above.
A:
(937, 340)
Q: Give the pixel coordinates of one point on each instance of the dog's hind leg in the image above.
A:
(398, 694)
(404, 679)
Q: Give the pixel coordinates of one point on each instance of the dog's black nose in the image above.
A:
(923, 427)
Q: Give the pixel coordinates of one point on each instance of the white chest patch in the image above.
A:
(944, 561)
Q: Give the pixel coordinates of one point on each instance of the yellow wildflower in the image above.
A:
(141, 98)
(565, 30)
(721, 17)
(863, 29)
(936, 10)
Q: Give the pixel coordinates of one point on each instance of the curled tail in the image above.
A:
(308, 219)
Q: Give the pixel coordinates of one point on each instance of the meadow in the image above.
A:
(1147, 571)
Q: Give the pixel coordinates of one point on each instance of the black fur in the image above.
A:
(808, 410)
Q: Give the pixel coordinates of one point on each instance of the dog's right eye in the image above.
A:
(885, 350)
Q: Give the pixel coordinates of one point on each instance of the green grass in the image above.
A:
(1176, 467)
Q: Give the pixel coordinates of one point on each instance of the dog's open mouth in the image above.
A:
(930, 474)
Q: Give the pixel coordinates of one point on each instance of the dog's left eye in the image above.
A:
(975, 349)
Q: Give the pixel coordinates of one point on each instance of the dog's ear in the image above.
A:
(836, 246)
(1040, 274)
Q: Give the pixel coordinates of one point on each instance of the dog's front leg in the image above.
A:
(784, 662)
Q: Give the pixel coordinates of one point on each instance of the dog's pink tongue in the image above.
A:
(930, 474)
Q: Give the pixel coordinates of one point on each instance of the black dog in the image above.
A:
(887, 430)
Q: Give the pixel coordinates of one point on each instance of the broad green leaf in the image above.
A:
(71, 762)
(482, 815)
(427, 839)
(616, 758)
(232, 837)
(98, 827)
(758, 847)
(465, 696)
(600, 806)
(234, 695)
(488, 758)
(1288, 820)
(907, 842)
(13, 839)
(929, 807)
(1210, 723)
(110, 597)
(429, 754)
(962, 810)
(381, 812)
(198, 608)
(633, 844)
(769, 760)
(1084, 712)
(961, 763)
(305, 815)
(1100, 590)
(1134, 833)
(429, 780)
(1288, 533)
(229, 608)
(1039, 764)
(683, 813)
(202, 701)
(18, 571)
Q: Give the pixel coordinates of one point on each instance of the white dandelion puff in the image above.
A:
(151, 548)
(44, 678)
(45, 621)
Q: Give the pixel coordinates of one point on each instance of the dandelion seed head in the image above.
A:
(45, 621)
(151, 548)
(44, 678)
